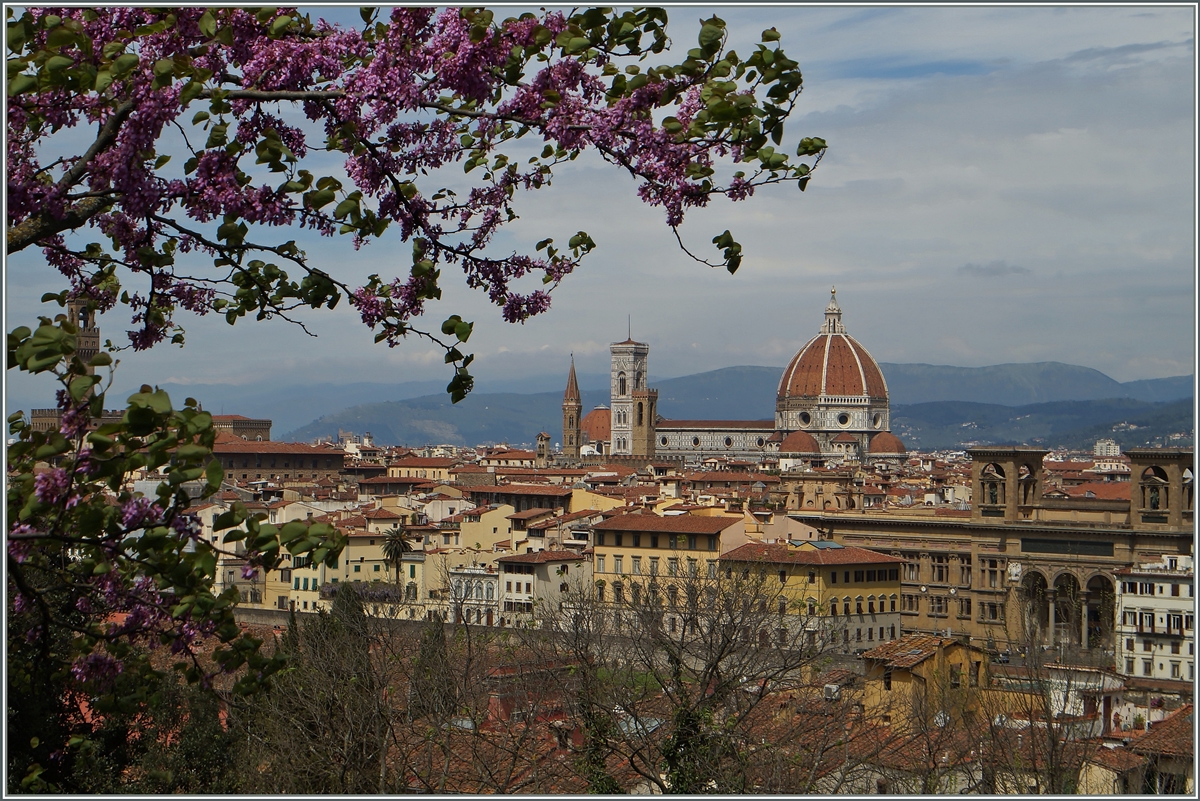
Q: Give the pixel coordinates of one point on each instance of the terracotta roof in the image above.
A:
(1171, 737)
(832, 364)
(597, 424)
(541, 557)
(1119, 760)
(381, 514)
(1103, 490)
(234, 444)
(799, 442)
(845, 436)
(887, 442)
(557, 490)
(424, 461)
(678, 524)
(567, 518)
(778, 553)
(530, 513)
(909, 650)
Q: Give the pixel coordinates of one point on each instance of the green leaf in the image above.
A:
(124, 64)
(22, 83)
(104, 80)
(770, 35)
(56, 63)
(208, 24)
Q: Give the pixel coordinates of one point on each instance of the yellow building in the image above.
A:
(844, 596)
(925, 680)
(432, 468)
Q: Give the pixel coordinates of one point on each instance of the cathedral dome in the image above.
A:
(596, 425)
(888, 443)
(799, 442)
(833, 364)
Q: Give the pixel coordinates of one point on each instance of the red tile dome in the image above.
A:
(596, 425)
(799, 442)
(887, 442)
(832, 364)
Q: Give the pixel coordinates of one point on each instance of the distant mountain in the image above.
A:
(1069, 424)
(516, 409)
(1021, 384)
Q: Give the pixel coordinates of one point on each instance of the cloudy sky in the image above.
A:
(1002, 185)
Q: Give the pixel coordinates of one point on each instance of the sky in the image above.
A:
(1003, 184)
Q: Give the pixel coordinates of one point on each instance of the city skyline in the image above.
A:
(1002, 185)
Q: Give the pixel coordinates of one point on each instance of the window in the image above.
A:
(412, 571)
(870, 575)
(673, 566)
(964, 607)
(783, 606)
(1175, 590)
(375, 568)
(1175, 647)
(712, 568)
(941, 567)
(992, 574)
(1147, 667)
(691, 564)
(891, 603)
(858, 576)
(912, 567)
(654, 565)
(871, 604)
(858, 605)
(937, 605)
(955, 676)
(600, 564)
(1131, 620)
(812, 607)
(528, 587)
(964, 570)
(910, 604)
(1129, 666)
(833, 577)
(618, 592)
(508, 586)
(712, 543)
(1147, 645)
(636, 564)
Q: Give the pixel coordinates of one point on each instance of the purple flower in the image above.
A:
(140, 512)
(51, 485)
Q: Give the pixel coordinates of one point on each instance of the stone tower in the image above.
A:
(629, 360)
(642, 428)
(572, 407)
(88, 338)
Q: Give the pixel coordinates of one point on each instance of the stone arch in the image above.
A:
(1068, 609)
(621, 384)
(1100, 599)
(1189, 484)
(1154, 486)
(993, 480)
(1035, 607)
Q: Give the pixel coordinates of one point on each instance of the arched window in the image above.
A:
(640, 415)
(858, 609)
(891, 603)
(478, 591)
(491, 591)
(846, 605)
(871, 604)
(458, 588)
(621, 383)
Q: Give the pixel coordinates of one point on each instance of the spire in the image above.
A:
(833, 315)
(572, 393)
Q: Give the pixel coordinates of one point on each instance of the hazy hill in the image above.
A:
(1020, 384)
(1071, 424)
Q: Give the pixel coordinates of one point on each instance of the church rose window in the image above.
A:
(662, 441)
(805, 418)
(729, 442)
(695, 442)
(843, 419)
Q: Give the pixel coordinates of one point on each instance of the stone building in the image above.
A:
(831, 408)
(1020, 569)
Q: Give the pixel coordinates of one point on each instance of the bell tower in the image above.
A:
(643, 414)
(87, 341)
(572, 406)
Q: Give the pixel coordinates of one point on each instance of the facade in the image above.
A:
(473, 594)
(282, 462)
(832, 391)
(632, 548)
(845, 596)
(1023, 570)
(539, 580)
(1156, 619)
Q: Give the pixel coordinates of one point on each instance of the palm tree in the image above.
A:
(394, 547)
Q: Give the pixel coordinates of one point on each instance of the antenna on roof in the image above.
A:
(629, 323)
